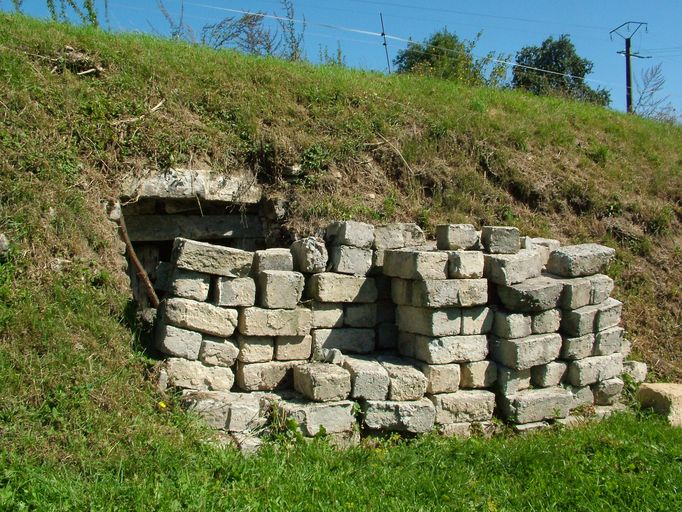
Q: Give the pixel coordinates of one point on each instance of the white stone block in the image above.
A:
(235, 292)
(256, 349)
(279, 289)
(211, 259)
(330, 287)
(199, 316)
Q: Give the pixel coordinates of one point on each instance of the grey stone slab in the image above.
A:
(369, 379)
(608, 341)
(293, 348)
(415, 416)
(330, 287)
(512, 325)
(199, 316)
(579, 260)
(356, 234)
(353, 340)
(265, 376)
(361, 315)
(274, 322)
(416, 264)
(273, 259)
(549, 375)
(508, 269)
(510, 381)
(478, 320)
(465, 264)
(397, 235)
(311, 418)
(444, 349)
(593, 369)
(345, 259)
(607, 392)
(218, 352)
(546, 322)
(211, 259)
(602, 286)
(579, 322)
(177, 342)
(441, 293)
(429, 322)
(464, 406)
(162, 228)
(609, 314)
(577, 347)
(234, 292)
(279, 289)
(194, 375)
(478, 375)
(442, 378)
(256, 349)
(526, 352)
(310, 255)
(327, 314)
(224, 410)
(406, 381)
(189, 284)
(500, 239)
(532, 296)
(457, 236)
(322, 382)
(533, 405)
(576, 293)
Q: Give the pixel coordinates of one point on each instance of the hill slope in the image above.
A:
(370, 147)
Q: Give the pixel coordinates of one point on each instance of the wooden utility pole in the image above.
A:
(626, 32)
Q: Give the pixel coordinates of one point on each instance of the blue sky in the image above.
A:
(507, 26)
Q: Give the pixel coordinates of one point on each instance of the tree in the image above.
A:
(649, 103)
(446, 56)
(567, 72)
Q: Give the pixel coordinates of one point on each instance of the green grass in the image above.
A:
(79, 422)
(628, 462)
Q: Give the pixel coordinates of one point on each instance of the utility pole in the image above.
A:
(626, 32)
(383, 34)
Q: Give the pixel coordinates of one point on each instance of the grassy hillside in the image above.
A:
(76, 408)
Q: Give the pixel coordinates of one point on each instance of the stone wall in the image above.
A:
(420, 335)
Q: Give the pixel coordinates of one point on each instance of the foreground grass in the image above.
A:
(627, 462)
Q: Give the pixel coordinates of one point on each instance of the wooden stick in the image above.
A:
(141, 273)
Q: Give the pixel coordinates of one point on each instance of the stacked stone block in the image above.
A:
(486, 323)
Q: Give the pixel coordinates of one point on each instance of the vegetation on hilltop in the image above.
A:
(371, 147)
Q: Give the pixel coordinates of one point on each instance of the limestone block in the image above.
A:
(416, 416)
(387, 336)
(508, 269)
(310, 255)
(218, 351)
(406, 381)
(464, 406)
(465, 264)
(416, 264)
(189, 284)
(401, 291)
(273, 259)
(397, 235)
(478, 375)
(510, 381)
(377, 267)
(265, 376)
(361, 315)
(607, 392)
(279, 289)
(477, 320)
(194, 375)
(665, 399)
(326, 315)
(199, 316)
(593, 369)
(579, 260)
(576, 293)
(532, 296)
(582, 396)
(457, 236)
(442, 378)
(429, 322)
(177, 342)
(533, 405)
(546, 322)
(369, 379)
(235, 292)
(330, 287)
(322, 382)
(443, 350)
(211, 259)
(292, 348)
(548, 375)
(579, 322)
(577, 347)
(500, 239)
(601, 288)
(359, 341)
(512, 325)
(609, 314)
(224, 410)
(355, 234)
(256, 349)
(441, 293)
(274, 322)
(332, 417)
(345, 259)
(526, 352)
(636, 370)
(608, 341)
(544, 245)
